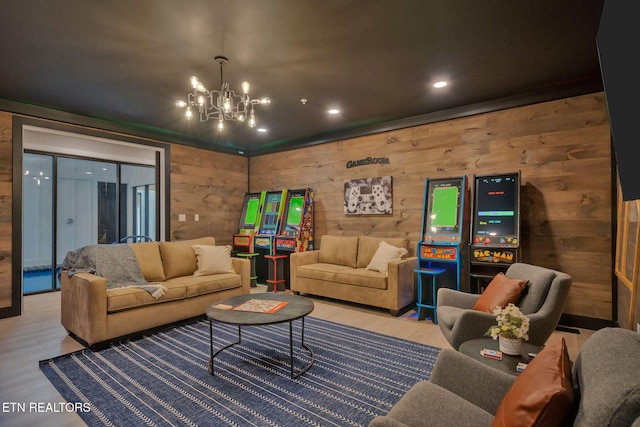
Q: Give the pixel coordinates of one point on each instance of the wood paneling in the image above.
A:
(562, 149)
(6, 206)
(211, 185)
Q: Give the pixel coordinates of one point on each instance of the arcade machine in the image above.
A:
(443, 240)
(495, 238)
(296, 234)
(264, 240)
(247, 228)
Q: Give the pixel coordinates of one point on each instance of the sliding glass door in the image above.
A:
(70, 203)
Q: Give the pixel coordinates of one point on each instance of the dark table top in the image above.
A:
(508, 363)
(296, 308)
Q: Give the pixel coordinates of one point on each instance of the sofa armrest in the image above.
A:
(297, 259)
(83, 306)
(453, 298)
(471, 379)
(242, 266)
(401, 283)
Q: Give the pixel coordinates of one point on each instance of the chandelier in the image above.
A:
(223, 104)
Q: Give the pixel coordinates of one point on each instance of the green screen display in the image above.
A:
(444, 207)
(295, 210)
(251, 216)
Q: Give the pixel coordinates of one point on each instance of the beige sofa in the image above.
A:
(339, 270)
(94, 314)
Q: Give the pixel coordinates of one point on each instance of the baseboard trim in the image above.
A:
(569, 321)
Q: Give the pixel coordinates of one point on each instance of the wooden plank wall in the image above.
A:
(211, 185)
(562, 149)
(6, 206)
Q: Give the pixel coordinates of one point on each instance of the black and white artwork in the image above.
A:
(369, 196)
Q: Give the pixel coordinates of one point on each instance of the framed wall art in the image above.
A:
(369, 196)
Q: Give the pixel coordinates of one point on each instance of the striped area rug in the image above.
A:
(162, 379)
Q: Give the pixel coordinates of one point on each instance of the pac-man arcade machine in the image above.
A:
(247, 228)
(444, 238)
(495, 238)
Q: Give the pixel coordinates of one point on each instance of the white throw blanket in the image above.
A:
(117, 263)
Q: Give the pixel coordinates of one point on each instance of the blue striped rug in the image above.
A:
(162, 379)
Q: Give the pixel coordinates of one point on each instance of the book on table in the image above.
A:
(256, 305)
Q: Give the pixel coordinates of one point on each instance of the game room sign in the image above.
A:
(368, 161)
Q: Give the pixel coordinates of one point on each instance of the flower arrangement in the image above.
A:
(512, 323)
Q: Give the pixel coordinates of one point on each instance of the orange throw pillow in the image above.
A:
(543, 393)
(501, 291)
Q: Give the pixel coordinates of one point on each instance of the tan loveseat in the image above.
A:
(94, 314)
(339, 270)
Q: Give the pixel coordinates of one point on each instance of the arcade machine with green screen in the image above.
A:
(296, 234)
(495, 238)
(264, 240)
(443, 240)
(247, 228)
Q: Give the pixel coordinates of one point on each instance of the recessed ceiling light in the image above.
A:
(439, 84)
(333, 111)
(261, 130)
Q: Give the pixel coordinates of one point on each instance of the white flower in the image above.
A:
(512, 323)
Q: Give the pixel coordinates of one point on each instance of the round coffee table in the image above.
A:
(297, 307)
(508, 363)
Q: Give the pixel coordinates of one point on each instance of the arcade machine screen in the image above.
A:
(271, 214)
(444, 204)
(294, 215)
(496, 219)
(249, 217)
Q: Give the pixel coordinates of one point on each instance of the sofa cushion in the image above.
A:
(213, 259)
(179, 259)
(368, 246)
(501, 291)
(543, 393)
(343, 275)
(120, 299)
(539, 282)
(338, 250)
(427, 404)
(200, 285)
(607, 375)
(148, 254)
(385, 254)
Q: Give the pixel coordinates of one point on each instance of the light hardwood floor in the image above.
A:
(37, 335)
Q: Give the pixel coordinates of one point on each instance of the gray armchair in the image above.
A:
(543, 301)
(465, 392)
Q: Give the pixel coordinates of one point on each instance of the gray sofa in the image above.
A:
(465, 392)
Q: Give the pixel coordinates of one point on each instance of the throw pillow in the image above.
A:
(543, 393)
(178, 258)
(385, 254)
(501, 291)
(213, 260)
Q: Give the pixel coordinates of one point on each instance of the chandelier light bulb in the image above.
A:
(223, 104)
